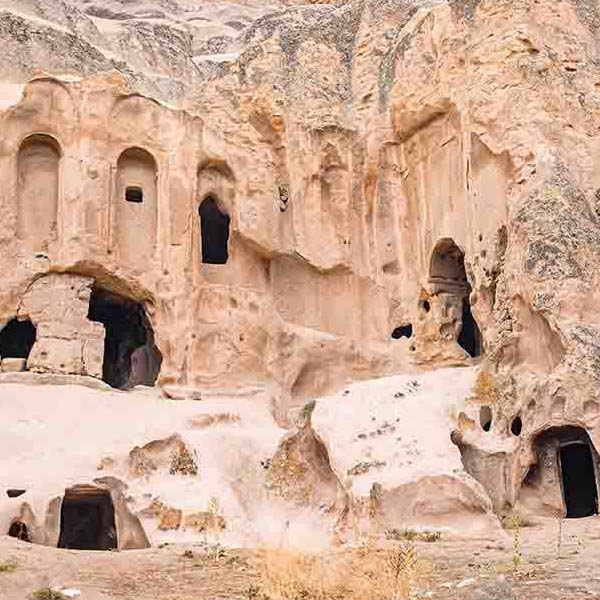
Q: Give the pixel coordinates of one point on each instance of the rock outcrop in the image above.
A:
(290, 198)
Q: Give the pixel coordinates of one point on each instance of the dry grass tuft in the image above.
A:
(8, 566)
(47, 594)
(393, 574)
(485, 390)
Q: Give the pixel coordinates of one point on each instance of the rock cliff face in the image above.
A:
(292, 197)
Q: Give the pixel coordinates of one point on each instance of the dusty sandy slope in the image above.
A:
(480, 570)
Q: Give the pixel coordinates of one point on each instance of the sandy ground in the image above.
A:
(461, 569)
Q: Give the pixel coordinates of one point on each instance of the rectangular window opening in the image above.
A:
(134, 194)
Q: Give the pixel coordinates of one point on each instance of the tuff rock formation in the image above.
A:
(279, 200)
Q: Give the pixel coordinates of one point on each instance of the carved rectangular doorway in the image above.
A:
(579, 480)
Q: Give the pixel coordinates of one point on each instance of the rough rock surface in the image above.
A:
(273, 201)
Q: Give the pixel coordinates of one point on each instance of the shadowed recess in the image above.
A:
(87, 520)
(130, 355)
(214, 227)
(17, 339)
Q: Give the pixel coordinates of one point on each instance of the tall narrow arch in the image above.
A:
(136, 207)
(214, 230)
(447, 274)
(38, 167)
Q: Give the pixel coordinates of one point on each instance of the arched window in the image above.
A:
(37, 190)
(214, 229)
(447, 274)
(136, 206)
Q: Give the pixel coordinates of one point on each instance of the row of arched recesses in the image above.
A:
(135, 207)
(447, 274)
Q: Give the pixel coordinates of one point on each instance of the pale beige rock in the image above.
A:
(422, 169)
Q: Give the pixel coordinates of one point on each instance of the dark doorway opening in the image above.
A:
(579, 480)
(130, 355)
(470, 337)
(17, 339)
(448, 275)
(19, 530)
(214, 229)
(87, 520)
(405, 331)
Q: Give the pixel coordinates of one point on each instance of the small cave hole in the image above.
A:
(485, 418)
(516, 427)
(19, 530)
(134, 194)
(130, 355)
(87, 520)
(17, 339)
(404, 331)
(426, 306)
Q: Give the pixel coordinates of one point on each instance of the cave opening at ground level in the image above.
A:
(130, 355)
(87, 519)
(17, 339)
(19, 530)
(564, 473)
(579, 480)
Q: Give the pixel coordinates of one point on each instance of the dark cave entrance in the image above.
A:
(579, 480)
(447, 274)
(17, 339)
(19, 530)
(470, 336)
(214, 229)
(405, 331)
(87, 520)
(130, 355)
